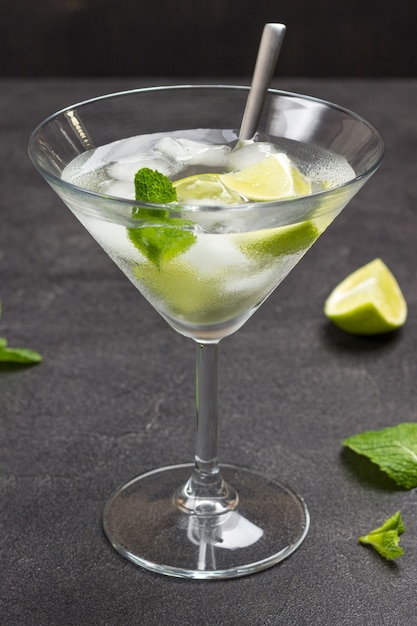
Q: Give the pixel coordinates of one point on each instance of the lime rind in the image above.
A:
(281, 241)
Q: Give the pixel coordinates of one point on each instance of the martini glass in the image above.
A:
(202, 520)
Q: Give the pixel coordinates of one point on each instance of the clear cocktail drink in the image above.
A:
(206, 262)
(212, 270)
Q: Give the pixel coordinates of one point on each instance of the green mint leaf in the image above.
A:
(159, 237)
(17, 355)
(162, 241)
(385, 539)
(393, 449)
(152, 186)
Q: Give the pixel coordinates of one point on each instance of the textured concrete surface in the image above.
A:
(114, 398)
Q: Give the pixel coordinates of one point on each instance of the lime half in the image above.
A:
(367, 302)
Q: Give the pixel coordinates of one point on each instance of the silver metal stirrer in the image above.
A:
(269, 49)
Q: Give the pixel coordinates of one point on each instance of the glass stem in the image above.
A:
(206, 493)
(206, 459)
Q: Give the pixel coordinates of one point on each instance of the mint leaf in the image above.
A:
(152, 186)
(160, 238)
(17, 355)
(393, 449)
(162, 241)
(386, 538)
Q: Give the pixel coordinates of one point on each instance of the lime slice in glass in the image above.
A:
(205, 189)
(273, 178)
(367, 302)
(275, 242)
(182, 292)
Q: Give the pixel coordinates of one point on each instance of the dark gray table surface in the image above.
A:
(114, 397)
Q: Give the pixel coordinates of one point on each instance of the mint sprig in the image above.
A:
(393, 449)
(385, 539)
(21, 356)
(17, 355)
(160, 238)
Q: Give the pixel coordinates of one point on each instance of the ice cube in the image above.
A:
(118, 188)
(125, 149)
(190, 152)
(249, 153)
(126, 170)
(213, 254)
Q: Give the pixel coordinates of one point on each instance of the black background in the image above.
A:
(205, 38)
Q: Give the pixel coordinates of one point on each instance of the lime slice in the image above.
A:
(205, 189)
(368, 302)
(182, 292)
(276, 242)
(273, 178)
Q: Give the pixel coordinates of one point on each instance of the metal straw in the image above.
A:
(269, 48)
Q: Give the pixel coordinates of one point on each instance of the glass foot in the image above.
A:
(144, 523)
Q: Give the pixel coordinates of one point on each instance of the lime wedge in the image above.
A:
(205, 189)
(182, 292)
(368, 302)
(275, 177)
(276, 242)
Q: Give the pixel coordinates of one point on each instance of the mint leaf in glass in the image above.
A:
(393, 449)
(152, 186)
(385, 539)
(161, 242)
(160, 238)
(17, 355)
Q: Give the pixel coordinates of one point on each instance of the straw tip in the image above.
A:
(278, 28)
